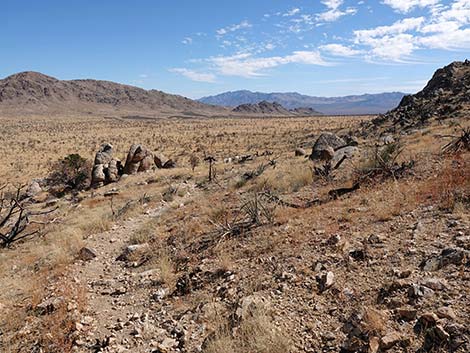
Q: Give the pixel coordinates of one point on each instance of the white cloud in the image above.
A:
(407, 5)
(334, 12)
(242, 25)
(339, 50)
(194, 76)
(445, 28)
(390, 42)
(245, 65)
(187, 40)
(398, 27)
(291, 13)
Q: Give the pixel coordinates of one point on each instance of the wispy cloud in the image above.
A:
(236, 27)
(334, 11)
(187, 40)
(194, 75)
(339, 50)
(291, 12)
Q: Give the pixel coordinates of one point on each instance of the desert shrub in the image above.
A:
(194, 161)
(382, 164)
(70, 174)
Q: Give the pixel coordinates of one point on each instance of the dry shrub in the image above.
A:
(382, 164)
(450, 188)
(95, 223)
(59, 326)
(145, 233)
(166, 268)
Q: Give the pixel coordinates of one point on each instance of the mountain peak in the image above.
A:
(30, 76)
(32, 92)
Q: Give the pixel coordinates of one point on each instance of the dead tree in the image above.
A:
(15, 219)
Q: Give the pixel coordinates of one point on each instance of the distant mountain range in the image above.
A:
(358, 104)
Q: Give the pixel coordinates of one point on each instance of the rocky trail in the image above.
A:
(122, 294)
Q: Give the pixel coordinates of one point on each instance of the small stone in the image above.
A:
(87, 321)
(167, 344)
(435, 283)
(390, 339)
(374, 344)
(441, 333)
(325, 281)
(407, 314)
(86, 254)
(429, 318)
(446, 312)
(119, 291)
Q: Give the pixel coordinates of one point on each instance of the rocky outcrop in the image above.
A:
(264, 107)
(139, 159)
(106, 168)
(326, 145)
(446, 95)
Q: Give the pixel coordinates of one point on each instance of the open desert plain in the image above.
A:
(132, 220)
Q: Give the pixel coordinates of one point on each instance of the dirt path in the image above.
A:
(122, 299)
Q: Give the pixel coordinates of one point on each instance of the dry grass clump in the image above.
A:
(450, 187)
(286, 178)
(145, 233)
(256, 334)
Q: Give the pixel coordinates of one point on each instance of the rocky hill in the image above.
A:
(447, 95)
(33, 92)
(356, 104)
(268, 108)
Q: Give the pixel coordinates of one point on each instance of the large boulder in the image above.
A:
(161, 161)
(349, 152)
(139, 159)
(106, 168)
(325, 145)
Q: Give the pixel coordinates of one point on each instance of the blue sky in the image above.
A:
(197, 48)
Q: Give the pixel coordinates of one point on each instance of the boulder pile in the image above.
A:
(106, 168)
(139, 159)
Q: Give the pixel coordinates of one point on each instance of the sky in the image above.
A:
(202, 47)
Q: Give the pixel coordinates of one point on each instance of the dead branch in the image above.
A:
(459, 143)
(15, 219)
(273, 198)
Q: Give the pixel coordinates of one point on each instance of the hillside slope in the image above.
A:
(446, 95)
(33, 92)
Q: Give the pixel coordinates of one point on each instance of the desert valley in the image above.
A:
(235, 177)
(258, 232)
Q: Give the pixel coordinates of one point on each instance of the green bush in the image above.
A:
(70, 174)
